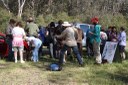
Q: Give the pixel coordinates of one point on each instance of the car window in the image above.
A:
(84, 28)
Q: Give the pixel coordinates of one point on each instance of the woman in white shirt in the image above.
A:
(17, 43)
(122, 42)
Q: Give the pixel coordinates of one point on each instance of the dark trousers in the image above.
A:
(80, 48)
(75, 50)
(11, 53)
(89, 48)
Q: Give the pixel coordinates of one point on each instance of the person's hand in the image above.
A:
(90, 32)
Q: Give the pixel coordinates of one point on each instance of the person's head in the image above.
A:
(122, 29)
(19, 24)
(103, 28)
(30, 19)
(66, 24)
(52, 25)
(39, 27)
(114, 29)
(12, 22)
(95, 20)
(60, 22)
(109, 28)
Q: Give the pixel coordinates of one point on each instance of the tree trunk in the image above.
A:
(20, 7)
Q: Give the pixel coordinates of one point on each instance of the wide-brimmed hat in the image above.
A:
(95, 20)
(30, 19)
(66, 24)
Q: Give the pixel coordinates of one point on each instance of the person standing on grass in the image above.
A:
(122, 42)
(36, 44)
(95, 40)
(89, 46)
(79, 40)
(8, 32)
(104, 38)
(69, 42)
(18, 34)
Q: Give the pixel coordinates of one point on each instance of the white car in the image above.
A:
(84, 27)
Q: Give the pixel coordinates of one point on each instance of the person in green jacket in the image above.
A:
(31, 28)
(95, 40)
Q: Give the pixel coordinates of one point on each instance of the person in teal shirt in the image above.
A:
(89, 46)
(95, 40)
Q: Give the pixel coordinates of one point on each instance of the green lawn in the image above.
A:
(36, 74)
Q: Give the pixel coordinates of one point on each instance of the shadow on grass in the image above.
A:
(120, 76)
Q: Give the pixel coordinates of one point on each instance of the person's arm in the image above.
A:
(82, 34)
(96, 31)
(62, 35)
(7, 31)
(26, 29)
(23, 32)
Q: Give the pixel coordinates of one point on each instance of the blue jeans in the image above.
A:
(35, 52)
(75, 51)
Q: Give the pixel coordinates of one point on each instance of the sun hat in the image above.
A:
(66, 24)
(95, 20)
(30, 19)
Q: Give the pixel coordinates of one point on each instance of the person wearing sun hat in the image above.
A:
(31, 28)
(69, 42)
(95, 39)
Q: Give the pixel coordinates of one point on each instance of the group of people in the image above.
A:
(95, 46)
(61, 38)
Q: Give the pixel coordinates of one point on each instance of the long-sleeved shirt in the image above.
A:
(32, 29)
(96, 34)
(69, 36)
(122, 38)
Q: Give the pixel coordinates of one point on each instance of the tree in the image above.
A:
(20, 7)
(5, 3)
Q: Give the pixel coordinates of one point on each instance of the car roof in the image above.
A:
(82, 24)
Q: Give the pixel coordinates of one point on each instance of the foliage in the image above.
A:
(4, 18)
(40, 20)
(110, 12)
(116, 20)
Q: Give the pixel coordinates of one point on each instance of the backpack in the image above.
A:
(55, 67)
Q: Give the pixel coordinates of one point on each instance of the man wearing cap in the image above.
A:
(31, 28)
(69, 42)
(95, 39)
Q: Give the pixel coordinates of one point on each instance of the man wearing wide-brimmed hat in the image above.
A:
(69, 42)
(31, 28)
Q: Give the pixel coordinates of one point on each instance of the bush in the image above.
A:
(113, 20)
(49, 18)
(4, 18)
(62, 16)
(40, 20)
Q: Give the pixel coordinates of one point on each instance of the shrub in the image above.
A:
(4, 18)
(40, 20)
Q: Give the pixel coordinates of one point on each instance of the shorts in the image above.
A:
(18, 48)
(121, 48)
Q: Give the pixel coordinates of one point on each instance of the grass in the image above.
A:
(36, 74)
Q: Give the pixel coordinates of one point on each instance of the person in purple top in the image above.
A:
(113, 35)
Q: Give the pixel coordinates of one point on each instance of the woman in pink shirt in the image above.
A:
(18, 35)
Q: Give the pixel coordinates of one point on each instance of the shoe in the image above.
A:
(97, 63)
(22, 61)
(15, 61)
